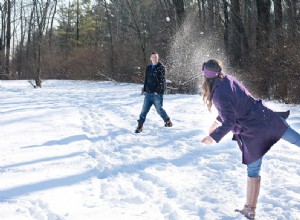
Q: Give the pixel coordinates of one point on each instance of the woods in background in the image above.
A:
(112, 39)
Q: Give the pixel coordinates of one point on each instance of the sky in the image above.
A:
(68, 151)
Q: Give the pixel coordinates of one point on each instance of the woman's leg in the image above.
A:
(253, 187)
(292, 136)
(253, 169)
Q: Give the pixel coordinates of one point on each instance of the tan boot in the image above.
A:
(253, 186)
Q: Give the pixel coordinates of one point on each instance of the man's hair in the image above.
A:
(154, 53)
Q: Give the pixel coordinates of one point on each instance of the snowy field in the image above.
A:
(69, 151)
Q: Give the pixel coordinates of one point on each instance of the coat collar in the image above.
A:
(217, 82)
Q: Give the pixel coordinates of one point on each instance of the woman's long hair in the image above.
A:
(207, 84)
(206, 91)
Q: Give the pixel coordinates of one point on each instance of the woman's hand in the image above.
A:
(213, 127)
(208, 140)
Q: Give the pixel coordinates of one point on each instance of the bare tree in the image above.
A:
(2, 39)
(200, 11)
(110, 37)
(51, 26)
(263, 25)
(41, 13)
(226, 25)
(8, 38)
(239, 35)
(211, 15)
(291, 24)
(77, 24)
(19, 52)
(180, 12)
(137, 28)
(29, 32)
(278, 23)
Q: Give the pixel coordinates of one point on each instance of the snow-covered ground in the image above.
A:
(69, 151)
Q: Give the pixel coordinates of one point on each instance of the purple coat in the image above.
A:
(256, 128)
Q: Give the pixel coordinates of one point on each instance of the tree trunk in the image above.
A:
(201, 23)
(68, 28)
(30, 25)
(239, 35)
(14, 37)
(217, 20)
(41, 17)
(111, 62)
(2, 40)
(21, 44)
(51, 26)
(278, 24)
(263, 25)
(250, 23)
(77, 25)
(211, 15)
(138, 30)
(8, 37)
(180, 12)
(291, 24)
(203, 12)
(226, 23)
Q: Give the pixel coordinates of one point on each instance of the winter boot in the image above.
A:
(139, 128)
(168, 123)
(253, 186)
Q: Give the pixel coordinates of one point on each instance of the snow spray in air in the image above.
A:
(190, 47)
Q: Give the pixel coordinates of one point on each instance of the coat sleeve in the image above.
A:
(145, 81)
(223, 102)
(161, 80)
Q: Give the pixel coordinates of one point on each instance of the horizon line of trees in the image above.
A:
(257, 40)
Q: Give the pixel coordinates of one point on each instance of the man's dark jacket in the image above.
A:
(155, 79)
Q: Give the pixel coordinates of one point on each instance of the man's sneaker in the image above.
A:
(139, 128)
(168, 123)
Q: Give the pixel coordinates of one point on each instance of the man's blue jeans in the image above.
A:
(290, 135)
(156, 100)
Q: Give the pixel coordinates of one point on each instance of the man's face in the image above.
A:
(154, 58)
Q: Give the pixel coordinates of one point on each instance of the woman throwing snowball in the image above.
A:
(256, 128)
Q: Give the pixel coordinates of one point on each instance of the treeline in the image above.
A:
(257, 40)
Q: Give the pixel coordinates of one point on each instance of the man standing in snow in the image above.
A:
(153, 90)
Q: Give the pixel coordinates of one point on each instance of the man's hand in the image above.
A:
(155, 93)
(207, 140)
